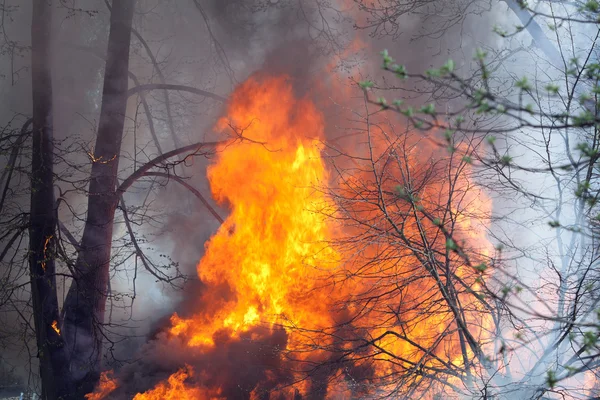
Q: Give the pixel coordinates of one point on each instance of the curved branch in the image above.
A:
(161, 76)
(135, 80)
(157, 160)
(180, 88)
(192, 189)
(138, 250)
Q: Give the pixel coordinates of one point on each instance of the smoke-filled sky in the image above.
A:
(325, 48)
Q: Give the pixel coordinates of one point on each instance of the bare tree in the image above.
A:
(42, 221)
(69, 333)
(527, 325)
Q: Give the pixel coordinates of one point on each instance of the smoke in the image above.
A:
(238, 366)
(273, 38)
(212, 45)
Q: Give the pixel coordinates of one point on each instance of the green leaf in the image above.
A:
(529, 108)
(585, 97)
(448, 133)
(592, 6)
(582, 189)
(448, 67)
(523, 84)
(551, 88)
(589, 340)
(433, 73)
(584, 118)
(480, 55)
(499, 31)
(484, 107)
(409, 112)
(387, 60)
(366, 84)
(518, 289)
(400, 71)
(451, 245)
(506, 160)
(429, 109)
(551, 380)
(401, 191)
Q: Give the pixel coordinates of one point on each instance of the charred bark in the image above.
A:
(42, 219)
(86, 300)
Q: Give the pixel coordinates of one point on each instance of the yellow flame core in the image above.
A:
(55, 327)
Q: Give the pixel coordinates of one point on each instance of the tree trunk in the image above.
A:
(86, 300)
(536, 32)
(42, 222)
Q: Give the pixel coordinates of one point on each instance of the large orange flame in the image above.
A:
(270, 265)
(269, 251)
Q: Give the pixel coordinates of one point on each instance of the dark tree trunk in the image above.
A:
(85, 302)
(42, 223)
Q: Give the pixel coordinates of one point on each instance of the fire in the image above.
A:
(106, 385)
(269, 250)
(175, 388)
(270, 265)
(55, 327)
(46, 243)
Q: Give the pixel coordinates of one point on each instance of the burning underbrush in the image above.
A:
(270, 321)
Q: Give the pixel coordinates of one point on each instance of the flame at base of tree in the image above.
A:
(271, 268)
(106, 385)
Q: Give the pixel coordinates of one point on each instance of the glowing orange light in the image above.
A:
(266, 265)
(55, 327)
(106, 385)
(175, 388)
(99, 160)
(45, 250)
